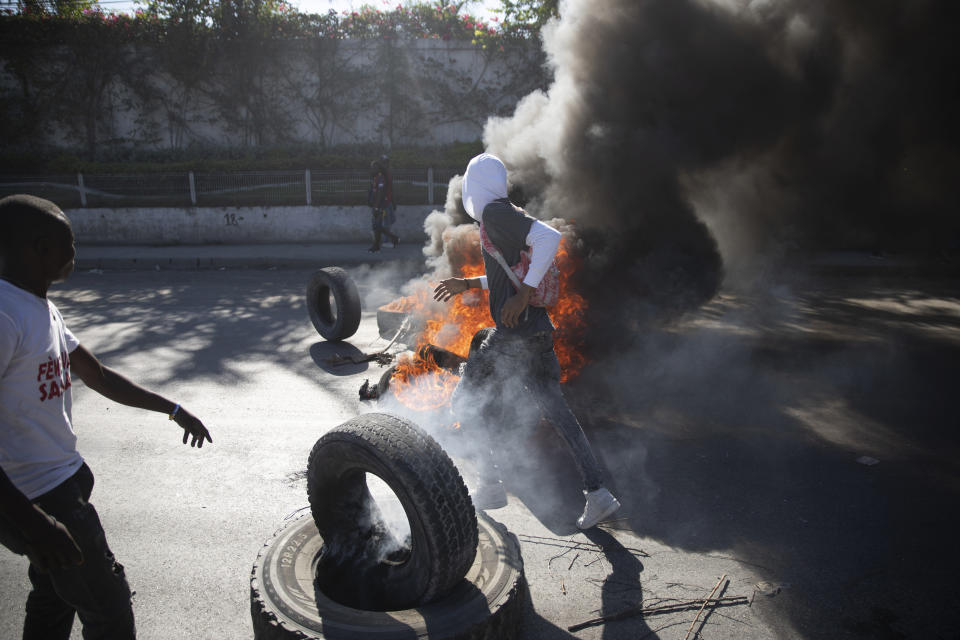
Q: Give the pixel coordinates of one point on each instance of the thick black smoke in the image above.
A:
(675, 126)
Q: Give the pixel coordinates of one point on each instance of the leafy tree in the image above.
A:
(182, 54)
(330, 98)
(239, 18)
(527, 17)
(179, 12)
(64, 8)
(506, 72)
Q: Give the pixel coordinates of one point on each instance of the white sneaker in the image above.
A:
(600, 504)
(489, 496)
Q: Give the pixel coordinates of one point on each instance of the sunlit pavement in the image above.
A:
(800, 443)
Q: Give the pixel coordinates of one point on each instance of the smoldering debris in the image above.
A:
(369, 391)
(354, 561)
(381, 357)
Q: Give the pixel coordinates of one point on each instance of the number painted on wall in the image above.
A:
(231, 219)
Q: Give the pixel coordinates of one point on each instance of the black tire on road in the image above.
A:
(363, 566)
(487, 604)
(334, 303)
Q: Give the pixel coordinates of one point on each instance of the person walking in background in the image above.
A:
(45, 485)
(516, 363)
(380, 199)
(388, 178)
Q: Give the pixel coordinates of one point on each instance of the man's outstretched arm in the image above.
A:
(455, 286)
(115, 386)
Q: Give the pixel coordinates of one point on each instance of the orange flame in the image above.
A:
(421, 384)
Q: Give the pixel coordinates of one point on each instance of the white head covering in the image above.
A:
(484, 181)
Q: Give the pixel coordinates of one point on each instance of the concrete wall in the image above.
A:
(322, 92)
(236, 225)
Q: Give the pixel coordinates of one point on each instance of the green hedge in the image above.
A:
(357, 157)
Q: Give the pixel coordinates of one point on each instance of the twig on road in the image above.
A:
(578, 545)
(722, 578)
(640, 610)
(560, 555)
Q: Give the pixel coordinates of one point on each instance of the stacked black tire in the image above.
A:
(328, 576)
(443, 525)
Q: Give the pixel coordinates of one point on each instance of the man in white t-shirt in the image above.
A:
(45, 485)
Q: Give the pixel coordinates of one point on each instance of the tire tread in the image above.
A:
(345, 291)
(431, 479)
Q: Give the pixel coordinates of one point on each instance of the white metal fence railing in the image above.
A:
(225, 189)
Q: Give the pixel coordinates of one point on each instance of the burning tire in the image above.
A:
(285, 602)
(334, 303)
(362, 565)
(441, 357)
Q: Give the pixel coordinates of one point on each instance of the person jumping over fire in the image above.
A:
(45, 485)
(518, 352)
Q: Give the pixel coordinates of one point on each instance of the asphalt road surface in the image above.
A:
(801, 442)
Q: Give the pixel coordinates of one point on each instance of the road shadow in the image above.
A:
(809, 436)
(621, 589)
(338, 358)
(250, 315)
(201, 325)
(535, 625)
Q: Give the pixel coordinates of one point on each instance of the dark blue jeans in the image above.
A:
(382, 219)
(507, 379)
(96, 591)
